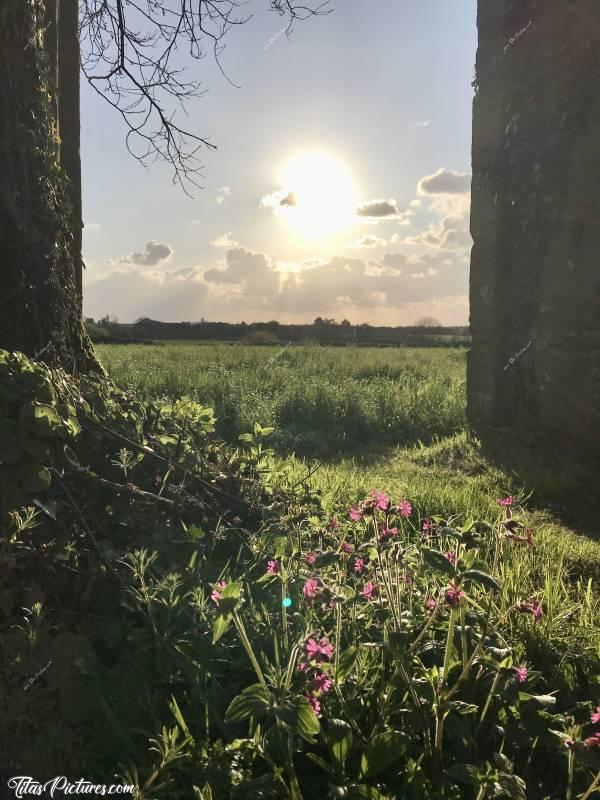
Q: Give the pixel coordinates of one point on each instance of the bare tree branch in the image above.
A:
(129, 52)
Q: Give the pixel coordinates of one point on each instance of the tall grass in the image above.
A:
(322, 401)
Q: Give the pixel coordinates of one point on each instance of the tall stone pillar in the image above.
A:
(534, 365)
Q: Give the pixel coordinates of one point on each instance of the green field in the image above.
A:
(358, 600)
(322, 401)
(389, 417)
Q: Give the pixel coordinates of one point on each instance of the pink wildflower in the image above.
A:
(334, 524)
(304, 666)
(369, 591)
(523, 539)
(387, 533)
(454, 595)
(312, 590)
(521, 674)
(346, 548)
(451, 556)
(314, 703)
(311, 557)
(596, 715)
(427, 526)
(505, 502)
(359, 565)
(323, 649)
(273, 567)
(404, 508)
(381, 500)
(532, 607)
(356, 514)
(216, 594)
(430, 603)
(593, 741)
(323, 682)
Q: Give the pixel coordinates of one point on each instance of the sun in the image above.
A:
(319, 198)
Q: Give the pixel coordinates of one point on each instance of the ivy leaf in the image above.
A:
(252, 702)
(381, 752)
(33, 477)
(12, 442)
(41, 419)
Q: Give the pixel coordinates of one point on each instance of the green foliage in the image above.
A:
(322, 401)
(192, 616)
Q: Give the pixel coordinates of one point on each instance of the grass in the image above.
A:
(322, 401)
(386, 418)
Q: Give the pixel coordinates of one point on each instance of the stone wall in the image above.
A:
(534, 366)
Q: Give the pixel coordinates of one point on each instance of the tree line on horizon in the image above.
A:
(425, 332)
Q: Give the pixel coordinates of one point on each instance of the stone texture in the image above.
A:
(534, 365)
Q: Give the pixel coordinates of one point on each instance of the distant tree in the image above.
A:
(345, 323)
(428, 322)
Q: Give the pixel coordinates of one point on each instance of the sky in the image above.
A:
(340, 186)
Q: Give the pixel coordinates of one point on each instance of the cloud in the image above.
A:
(451, 234)
(155, 253)
(289, 200)
(224, 241)
(370, 240)
(222, 193)
(251, 286)
(425, 123)
(253, 273)
(445, 181)
(378, 208)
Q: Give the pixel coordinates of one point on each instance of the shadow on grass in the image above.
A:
(564, 480)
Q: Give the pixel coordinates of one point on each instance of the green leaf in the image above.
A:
(338, 738)
(40, 419)
(543, 700)
(511, 786)
(482, 578)
(254, 702)
(230, 598)
(12, 441)
(346, 663)
(464, 773)
(381, 752)
(298, 715)
(220, 626)
(362, 791)
(196, 532)
(438, 561)
(33, 477)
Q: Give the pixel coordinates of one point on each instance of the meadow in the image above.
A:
(348, 419)
(348, 599)
(322, 401)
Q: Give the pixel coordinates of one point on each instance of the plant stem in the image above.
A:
(449, 646)
(570, 773)
(463, 637)
(592, 787)
(248, 648)
(488, 701)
